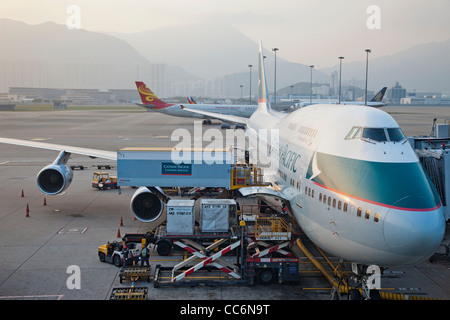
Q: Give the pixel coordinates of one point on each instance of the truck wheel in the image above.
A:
(163, 248)
(117, 261)
(101, 256)
(266, 276)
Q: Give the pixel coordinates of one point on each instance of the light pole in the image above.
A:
(275, 78)
(367, 71)
(310, 95)
(340, 74)
(250, 66)
(241, 91)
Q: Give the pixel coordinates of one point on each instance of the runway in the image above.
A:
(37, 250)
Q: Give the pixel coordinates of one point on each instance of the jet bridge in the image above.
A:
(434, 153)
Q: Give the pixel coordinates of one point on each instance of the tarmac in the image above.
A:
(39, 250)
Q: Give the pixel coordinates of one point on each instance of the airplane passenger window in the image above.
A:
(358, 213)
(320, 196)
(367, 216)
(312, 193)
(324, 199)
(395, 134)
(345, 207)
(376, 218)
(376, 134)
(334, 203)
(339, 205)
(329, 201)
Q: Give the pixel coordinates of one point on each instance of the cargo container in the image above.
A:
(216, 215)
(180, 217)
(170, 167)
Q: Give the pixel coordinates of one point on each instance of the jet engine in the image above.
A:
(54, 178)
(146, 205)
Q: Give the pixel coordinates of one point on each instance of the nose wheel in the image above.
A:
(364, 282)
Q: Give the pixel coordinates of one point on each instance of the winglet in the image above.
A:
(263, 99)
(148, 98)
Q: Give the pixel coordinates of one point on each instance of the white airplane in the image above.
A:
(352, 180)
(376, 101)
(153, 103)
(347, 174)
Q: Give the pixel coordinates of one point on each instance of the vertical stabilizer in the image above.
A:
(263, 98)
(379, 96)
(148, 98)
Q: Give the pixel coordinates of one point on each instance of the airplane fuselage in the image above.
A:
(362, 196)
(237, 110)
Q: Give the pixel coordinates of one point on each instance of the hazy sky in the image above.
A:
(309, 32)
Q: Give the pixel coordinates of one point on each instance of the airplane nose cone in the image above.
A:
(414, 235)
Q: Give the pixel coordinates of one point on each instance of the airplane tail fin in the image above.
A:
(191, 100)
(263, 98)
(148, 98)
(379, 96)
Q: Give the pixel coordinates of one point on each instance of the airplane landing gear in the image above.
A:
(364, 282)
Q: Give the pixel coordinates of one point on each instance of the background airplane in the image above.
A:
(376, 102)
(153, 103)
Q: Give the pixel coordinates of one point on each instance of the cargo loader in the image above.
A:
(223, 248)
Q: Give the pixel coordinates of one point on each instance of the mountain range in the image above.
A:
(193, 56)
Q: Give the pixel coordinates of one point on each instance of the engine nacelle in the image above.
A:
(145, 205)
(54, 178)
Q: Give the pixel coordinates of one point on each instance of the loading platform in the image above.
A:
(135, 273)
(133, 293)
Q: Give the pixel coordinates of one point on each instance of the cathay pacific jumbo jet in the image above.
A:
(352, 180)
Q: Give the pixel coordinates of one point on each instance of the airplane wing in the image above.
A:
(219, 116)
(93, 153)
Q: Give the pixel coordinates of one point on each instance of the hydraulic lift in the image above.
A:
(251, 264)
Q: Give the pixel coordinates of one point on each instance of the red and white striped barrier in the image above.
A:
(276, 248)
(208, 260)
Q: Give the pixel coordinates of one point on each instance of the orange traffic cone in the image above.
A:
(121, 222)
(28, 211)
(45, 201)
(118, 233)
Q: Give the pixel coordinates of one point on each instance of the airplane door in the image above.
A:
(300, 189)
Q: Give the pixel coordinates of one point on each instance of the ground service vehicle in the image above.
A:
(102, 180)
(113, 253)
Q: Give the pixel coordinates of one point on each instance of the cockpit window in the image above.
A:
(352, 132)
(355, 133)
(395, 134)
(376, 134)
